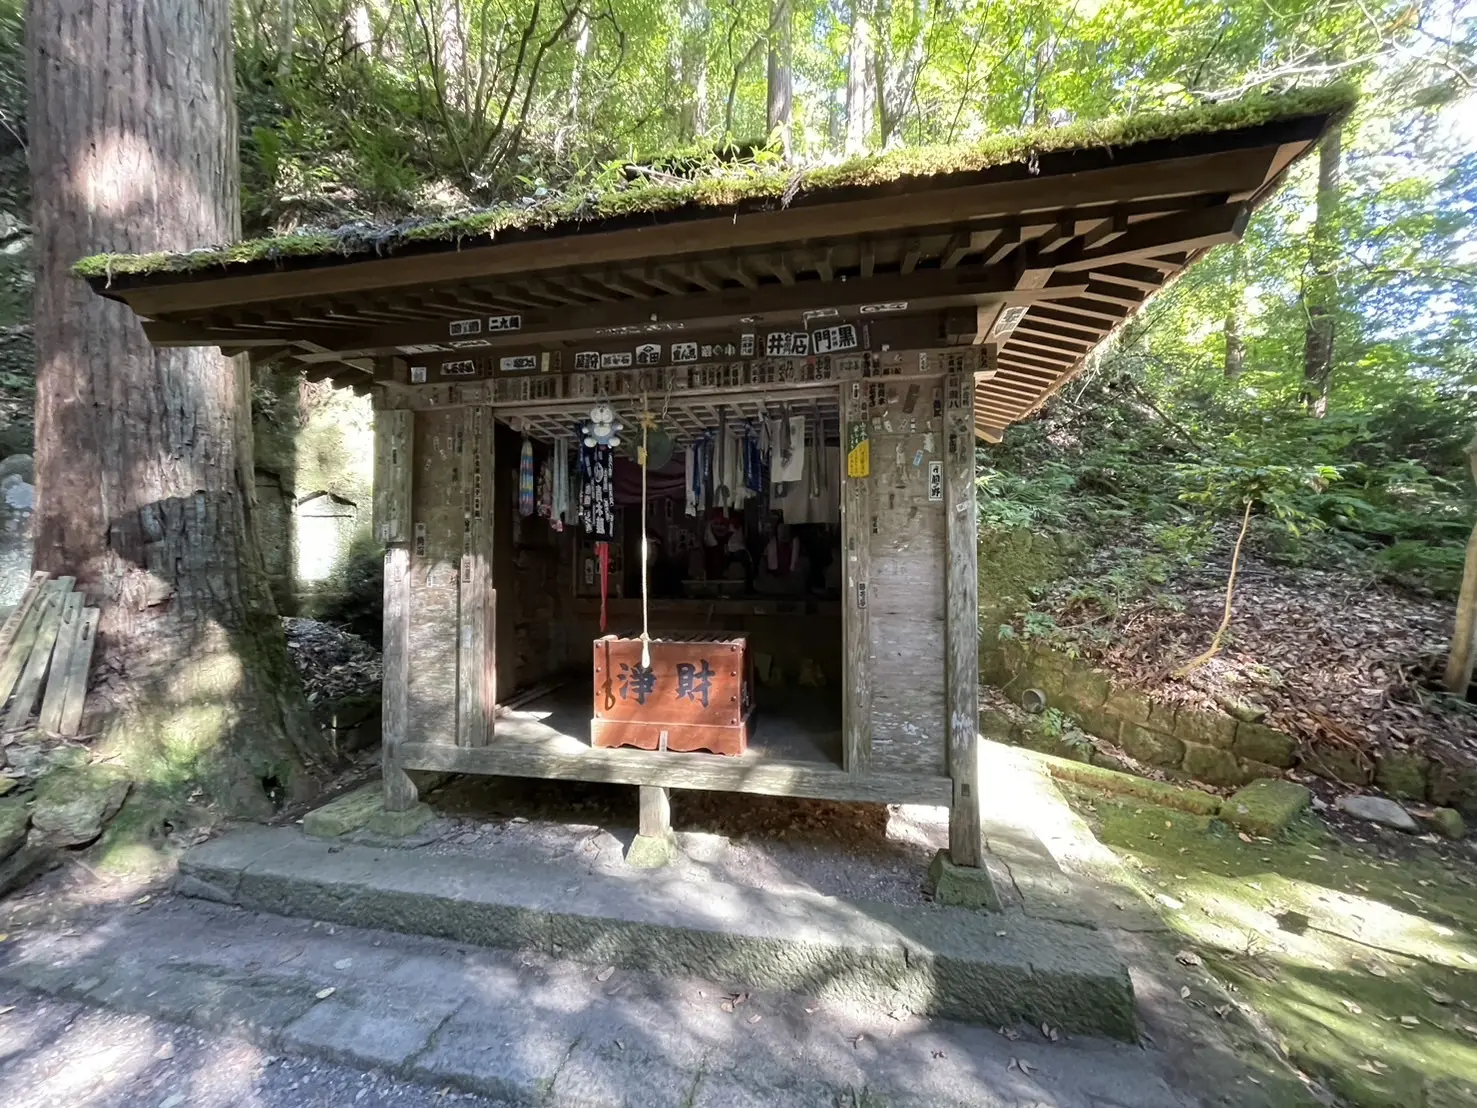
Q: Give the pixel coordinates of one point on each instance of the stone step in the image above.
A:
(990, 968)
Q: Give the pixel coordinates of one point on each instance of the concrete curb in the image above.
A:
(943, 962)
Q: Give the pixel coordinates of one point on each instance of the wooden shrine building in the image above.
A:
(872, 320)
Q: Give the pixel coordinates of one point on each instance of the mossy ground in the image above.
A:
(1360, 956)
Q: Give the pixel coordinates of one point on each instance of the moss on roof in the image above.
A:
(727, 183)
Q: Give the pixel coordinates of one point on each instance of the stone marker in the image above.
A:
(1378, 809)
(1448, 822)
(1265, 807)
(13, 822)
(961, 886)
(345, 813)
(73, 804)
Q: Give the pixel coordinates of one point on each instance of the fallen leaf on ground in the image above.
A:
(1010, 1033)
(324, 994)
(1438, 996)
(1243, 836)
(1410, 1021)
(755, 1018)
(605, 974)
(899, 1014)
(940, 1053)
(1025, 1067)
(1222, 1010)
(7, 1008)
(1187, 958)
(1351, 1006)
(1377, 969)
(1184, 992)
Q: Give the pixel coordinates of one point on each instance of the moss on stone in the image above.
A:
(728, 185)
(345, 813)
(1266, 807)
(1402, 774)
(1112, 781)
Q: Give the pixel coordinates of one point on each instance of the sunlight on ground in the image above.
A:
(1364, 967)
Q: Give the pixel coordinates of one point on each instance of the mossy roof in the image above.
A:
(719, 185)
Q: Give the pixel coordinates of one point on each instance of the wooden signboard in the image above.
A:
(697, 694)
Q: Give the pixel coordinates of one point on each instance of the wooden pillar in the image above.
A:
(476, 682)
(656, 812)
(961, 657)
(392, 481)
(856, 555)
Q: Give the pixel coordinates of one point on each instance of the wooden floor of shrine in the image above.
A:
(793, 724)
(794, 750)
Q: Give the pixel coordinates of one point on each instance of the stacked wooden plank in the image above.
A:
(45, 654)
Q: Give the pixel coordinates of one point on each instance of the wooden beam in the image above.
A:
(1089, 309)
(1136, 276)
(962, 618)
(1189, 230)
(911, 253)
(824, 265)
(700, 276)
(400, 790)
(509, 757)
(1006, 241)
(856, 570)
(476, 658)
(659, 278)
(867, 260)
(924, 290)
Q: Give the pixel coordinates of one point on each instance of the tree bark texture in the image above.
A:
(859, 92)
(1463, 656)
(779, 103)
(1320, 293)
(1235, 341)
(144, 456)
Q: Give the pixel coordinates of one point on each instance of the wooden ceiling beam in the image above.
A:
(867, 259)
(911, 253)
(1074, 331)
(1068, 323)
(1046, 331)
(699, 275)
(1007, 240)
(1189, 230)
(924, 291)
(1044, 348)
(659, 278)
(1087, 308)
(779, 265)
(824, 264)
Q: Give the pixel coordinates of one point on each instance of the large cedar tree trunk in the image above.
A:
(779, 101)
(143, 456)
(1320, 293)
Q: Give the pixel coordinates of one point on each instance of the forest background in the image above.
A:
(1324, 369)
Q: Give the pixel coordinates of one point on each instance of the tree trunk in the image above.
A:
(859, 93)
(144, 457)
(781, 66)
(286, 35)
(1320, 293)
(1236, 306)
(1463, 655)
(692, 78)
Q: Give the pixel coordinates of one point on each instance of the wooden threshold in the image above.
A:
(769, 777)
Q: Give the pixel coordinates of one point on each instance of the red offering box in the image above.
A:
(698, 694)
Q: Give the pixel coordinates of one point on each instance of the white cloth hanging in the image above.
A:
(791, 468)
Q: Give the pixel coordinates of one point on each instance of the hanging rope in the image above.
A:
(645, 541)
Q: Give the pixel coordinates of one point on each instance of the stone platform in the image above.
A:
(990, 968)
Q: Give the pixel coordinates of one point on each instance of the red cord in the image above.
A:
(602, 549)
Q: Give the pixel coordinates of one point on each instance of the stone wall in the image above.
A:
(1207, 746)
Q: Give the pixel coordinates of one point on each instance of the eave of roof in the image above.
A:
(715, 191)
